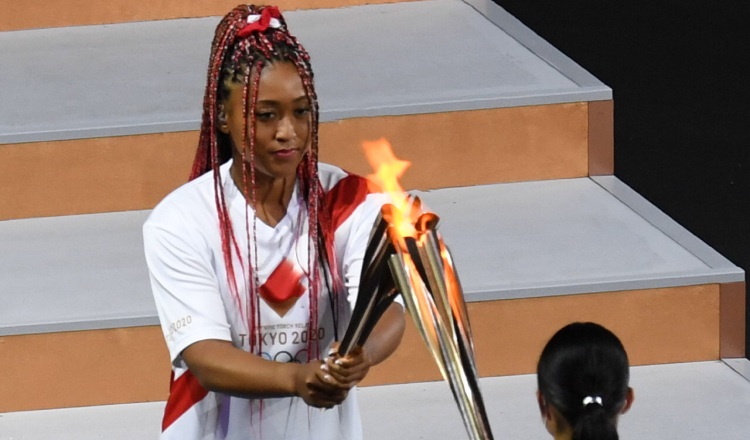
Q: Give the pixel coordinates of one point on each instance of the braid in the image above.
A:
(237, 58)
(212, 151)
(254, 312)
(207, 154)
(313, 195)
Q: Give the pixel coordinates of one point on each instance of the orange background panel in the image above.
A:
(135, 172)
(70, 369)
(132, 365)
(36, 14)
(601, 138)
(656, 326)
(733, 320)
(92, 175)
(470, 147)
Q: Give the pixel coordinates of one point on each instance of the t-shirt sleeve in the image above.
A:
(184, 285)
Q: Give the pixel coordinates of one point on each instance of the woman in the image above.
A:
(255, 262)
(583, 383)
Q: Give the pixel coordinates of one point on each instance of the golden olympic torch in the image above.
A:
(406, 255)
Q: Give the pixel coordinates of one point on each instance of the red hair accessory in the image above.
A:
(269, 17)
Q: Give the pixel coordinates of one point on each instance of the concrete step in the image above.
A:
(36, 14)
(532, 256)
(474, 97)
(671, 403)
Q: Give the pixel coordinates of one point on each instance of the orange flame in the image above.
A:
(388, 169)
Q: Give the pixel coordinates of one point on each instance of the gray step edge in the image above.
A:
(670, 403)
(677, 232)
(541, 48)
(518, 240)
(511, 66)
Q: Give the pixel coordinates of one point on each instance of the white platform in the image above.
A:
(508, 241)
(705, 400)
(513, 240)
(415, 57)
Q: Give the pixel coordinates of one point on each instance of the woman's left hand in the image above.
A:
(349, 369)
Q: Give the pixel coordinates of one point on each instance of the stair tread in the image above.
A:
(73, 273)
(568, 236)
(148, 77)
(670, 404)
(510, 240)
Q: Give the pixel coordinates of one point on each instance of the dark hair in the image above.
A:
(239, 51)
(583, 373)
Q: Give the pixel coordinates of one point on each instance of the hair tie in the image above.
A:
(268, 17)
(588, 400)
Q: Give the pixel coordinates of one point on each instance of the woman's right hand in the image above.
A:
(318, 388)
(221, 367)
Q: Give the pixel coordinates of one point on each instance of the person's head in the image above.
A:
(583, 376)
(260, 105)
(261, 110)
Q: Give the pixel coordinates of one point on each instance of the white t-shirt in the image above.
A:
(189, 282)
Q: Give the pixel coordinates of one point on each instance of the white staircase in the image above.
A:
(510, 142)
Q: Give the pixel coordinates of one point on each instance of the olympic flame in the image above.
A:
(405, 239)
(388, 170)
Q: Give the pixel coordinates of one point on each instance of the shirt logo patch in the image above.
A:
(282, 288)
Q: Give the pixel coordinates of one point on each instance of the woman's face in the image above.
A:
(282, 123)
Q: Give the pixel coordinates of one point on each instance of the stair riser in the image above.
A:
(657, 326)
(447, 150)
(38, 14)
(733, 320)
(96, 367)
(71, 369)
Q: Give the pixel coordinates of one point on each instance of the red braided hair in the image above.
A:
(237, 58)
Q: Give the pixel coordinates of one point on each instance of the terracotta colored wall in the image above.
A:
(97, 367)
(134, 172)
(656, 326)
(36, 14)
(70, 369)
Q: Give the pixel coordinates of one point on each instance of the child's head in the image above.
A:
(583, 382)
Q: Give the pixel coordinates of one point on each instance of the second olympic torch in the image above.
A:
(406, 255)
